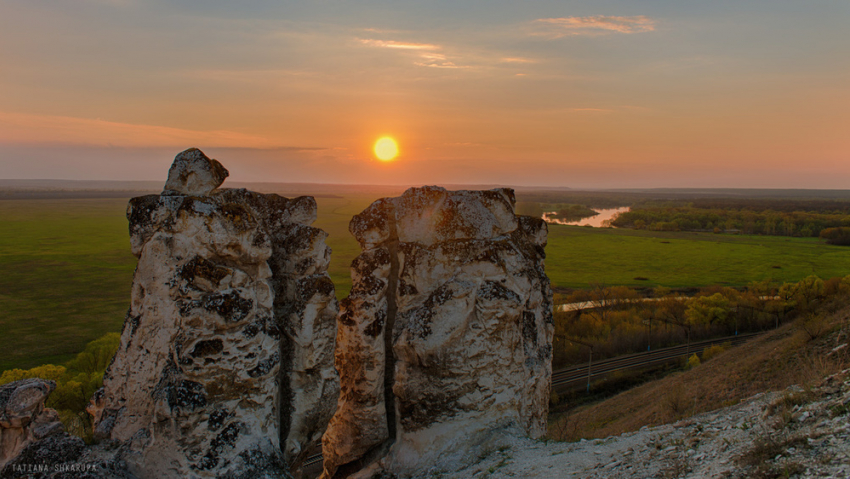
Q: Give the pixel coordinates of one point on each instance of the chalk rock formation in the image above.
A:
(193, 174)
(23, 417)
(445, 340)
(225, 367)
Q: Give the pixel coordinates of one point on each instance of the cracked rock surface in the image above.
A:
(194, 174)
(445, 340)
(225, 366)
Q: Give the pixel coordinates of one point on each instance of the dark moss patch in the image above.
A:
(346, 316)
(264, 366)
(186, 394)
(238, 216)
(375, 327)
(375, 217)
(419, 320)
(494, 290)
(223, 441)
(230, 306)
(315, 284)
(368, 285)
(217, 419)
(529, 328)
(405, 288)
(251, 330)
(430, 405)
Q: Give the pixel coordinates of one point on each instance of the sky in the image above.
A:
(579, 94)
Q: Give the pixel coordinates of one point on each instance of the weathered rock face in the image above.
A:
(192, 173)
(23, 417)
(225, 366)
(445, 340)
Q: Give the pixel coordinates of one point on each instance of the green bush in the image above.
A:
(714, 350)
(836, 236)
(76, 382)
(693, 361)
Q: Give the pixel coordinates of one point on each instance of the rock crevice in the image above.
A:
(445, 340)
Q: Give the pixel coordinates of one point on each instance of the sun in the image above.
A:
(386, 149)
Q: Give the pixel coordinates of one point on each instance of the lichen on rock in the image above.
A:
(23, 417)
(444, 344)
(225, 366)
(193, 173)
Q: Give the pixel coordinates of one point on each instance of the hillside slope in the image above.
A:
(778, 407)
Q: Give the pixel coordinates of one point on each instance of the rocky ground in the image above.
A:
(793, 433)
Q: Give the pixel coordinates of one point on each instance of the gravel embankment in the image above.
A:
(793, 433)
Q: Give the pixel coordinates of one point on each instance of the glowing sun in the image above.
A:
(386, 149)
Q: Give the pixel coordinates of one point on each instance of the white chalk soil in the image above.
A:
(793, 433)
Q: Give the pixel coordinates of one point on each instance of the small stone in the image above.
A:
(194, 174)
(23, 418)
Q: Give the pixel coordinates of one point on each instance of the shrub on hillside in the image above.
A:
(812, 325)
(836, 236)
(76, 382)
(693, 361)
(714, 350)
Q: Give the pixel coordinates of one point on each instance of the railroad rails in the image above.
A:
(575, 376)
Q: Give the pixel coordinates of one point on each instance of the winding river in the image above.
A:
(595, 221)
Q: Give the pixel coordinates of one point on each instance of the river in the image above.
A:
(595, 221)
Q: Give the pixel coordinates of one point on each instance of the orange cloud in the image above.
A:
(517, 60)
(400, 45)
(441, 65)
(430, 58)
(17, 128)
(593, 25)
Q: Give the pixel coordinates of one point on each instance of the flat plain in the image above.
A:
(66, 268)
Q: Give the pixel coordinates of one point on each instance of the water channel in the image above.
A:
(597, 221)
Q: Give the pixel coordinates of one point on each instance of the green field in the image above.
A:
(66, 269)
(577, 257)
(334, 215)
(65, 274)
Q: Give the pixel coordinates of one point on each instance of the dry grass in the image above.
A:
(772, 362)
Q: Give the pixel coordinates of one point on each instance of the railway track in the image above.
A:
(571, 377)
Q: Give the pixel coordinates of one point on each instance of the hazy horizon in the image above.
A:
(610, 94)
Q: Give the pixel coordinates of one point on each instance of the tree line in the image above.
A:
(620, 321)
(76, 382)
(657, 217)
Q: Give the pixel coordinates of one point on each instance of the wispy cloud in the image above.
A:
(18, 128)
(517, 60)
(592, 25)
(440, 65)
(380, 30)
(426, 53)
(432, 56)
(399, 45)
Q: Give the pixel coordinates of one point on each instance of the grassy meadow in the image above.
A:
(65, 274)
(578, 256)
(66, 269)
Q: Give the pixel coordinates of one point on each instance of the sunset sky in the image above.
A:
(584, 94)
